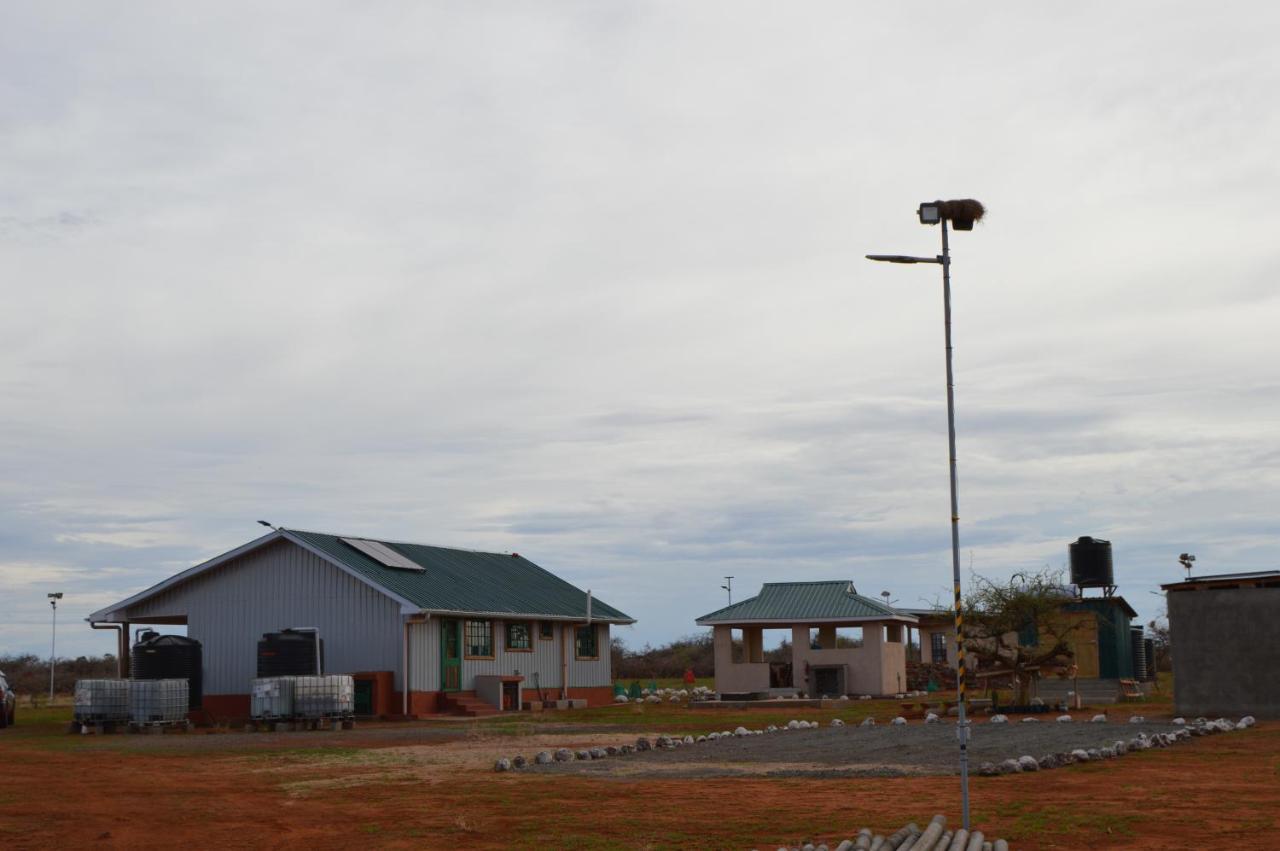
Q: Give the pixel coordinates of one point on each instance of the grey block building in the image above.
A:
(1225, 637)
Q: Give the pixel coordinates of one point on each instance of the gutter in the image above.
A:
(122, 645)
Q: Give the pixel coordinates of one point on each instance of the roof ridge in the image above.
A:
(399, 543)
(813, 582)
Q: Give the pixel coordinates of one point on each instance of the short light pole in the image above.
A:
(728, 586)
(53, 645)
(962, 214)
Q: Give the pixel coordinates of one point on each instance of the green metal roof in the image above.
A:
(466, 581)
(799, 602)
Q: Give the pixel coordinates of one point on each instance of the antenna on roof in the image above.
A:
(1187, 559)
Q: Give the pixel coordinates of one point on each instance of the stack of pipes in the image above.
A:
(934, 837)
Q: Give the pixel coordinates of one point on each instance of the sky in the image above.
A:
(586, 281)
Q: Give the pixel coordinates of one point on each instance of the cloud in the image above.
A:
(587, 283)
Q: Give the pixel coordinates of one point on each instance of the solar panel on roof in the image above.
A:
(383, 554)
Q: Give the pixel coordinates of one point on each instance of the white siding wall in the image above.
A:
(545, 660)
(281, 585)
(424, 656)
(583, 673)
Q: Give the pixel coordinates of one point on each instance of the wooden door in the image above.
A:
(450, 655)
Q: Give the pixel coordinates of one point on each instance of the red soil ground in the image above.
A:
(55, 792)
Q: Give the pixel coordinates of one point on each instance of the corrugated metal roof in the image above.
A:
(805, 601)
(1251, 576)
(467, 581)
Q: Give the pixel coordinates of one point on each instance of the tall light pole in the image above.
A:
(962, 214)
(53, 645)
(728, 586)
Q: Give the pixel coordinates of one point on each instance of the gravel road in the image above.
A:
(882, 750)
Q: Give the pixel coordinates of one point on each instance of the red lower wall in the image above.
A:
(234, 708)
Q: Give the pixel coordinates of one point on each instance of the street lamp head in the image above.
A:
(56, 595)
(962, 213)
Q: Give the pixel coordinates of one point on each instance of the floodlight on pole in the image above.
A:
(54, 597)
(961, 214)
(728, 586)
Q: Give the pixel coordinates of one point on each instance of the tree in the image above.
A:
(1159, 629)
(1000, 616)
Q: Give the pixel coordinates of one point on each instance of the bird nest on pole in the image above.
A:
(962, 213)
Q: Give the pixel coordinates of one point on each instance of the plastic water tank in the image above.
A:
(102, 701)
(169, 657)
(288, 654)
(1091, 563)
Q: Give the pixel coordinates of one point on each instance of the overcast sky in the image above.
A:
(586, 281)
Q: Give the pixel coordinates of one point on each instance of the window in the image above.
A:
(893, 633)
(848, 637)
(546, 630)
(584, 645)
(479, 639)
(938, 640)
(519, 635)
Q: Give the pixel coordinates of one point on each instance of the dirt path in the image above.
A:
(1208, 792)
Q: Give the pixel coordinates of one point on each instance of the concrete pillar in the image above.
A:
(753, 643)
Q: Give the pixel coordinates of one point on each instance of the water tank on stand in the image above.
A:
(290, 653)
(169, 657)
(1091, 564)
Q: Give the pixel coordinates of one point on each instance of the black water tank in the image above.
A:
(1091, 563)
(288, 654)
(169, 657)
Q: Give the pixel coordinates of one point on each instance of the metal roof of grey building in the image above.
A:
(805, 602)
(1216, 578)
(451, 581)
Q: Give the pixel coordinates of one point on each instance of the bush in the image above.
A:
(28, 674)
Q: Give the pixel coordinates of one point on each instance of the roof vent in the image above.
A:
(848, 589)
(382, 554)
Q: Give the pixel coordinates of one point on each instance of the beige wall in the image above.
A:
(740, 677)
(877, 667)
(926, 642)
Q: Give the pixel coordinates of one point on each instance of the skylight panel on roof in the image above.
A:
(383, 554)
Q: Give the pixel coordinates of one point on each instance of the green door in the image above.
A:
(450, 655)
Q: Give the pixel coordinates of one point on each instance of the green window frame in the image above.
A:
(477, 639)
(586, 643)
(519, 636)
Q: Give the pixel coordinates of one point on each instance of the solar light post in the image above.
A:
(53, 644)
(961, 214)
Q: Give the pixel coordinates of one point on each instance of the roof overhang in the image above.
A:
(532, 616)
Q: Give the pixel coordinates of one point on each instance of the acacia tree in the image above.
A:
(997, 612)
